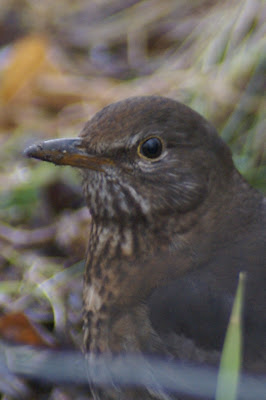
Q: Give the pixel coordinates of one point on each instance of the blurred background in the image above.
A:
(62, 61)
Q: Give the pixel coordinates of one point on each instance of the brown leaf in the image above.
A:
(27, 59)
(17, 328)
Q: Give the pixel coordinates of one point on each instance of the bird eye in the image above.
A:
(151, 148)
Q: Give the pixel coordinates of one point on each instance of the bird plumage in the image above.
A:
(173, 224)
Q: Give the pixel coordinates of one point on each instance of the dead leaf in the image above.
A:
(27, 59)
(17, 328)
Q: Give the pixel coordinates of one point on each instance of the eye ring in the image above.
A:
(151, 148)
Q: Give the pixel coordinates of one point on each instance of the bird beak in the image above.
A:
(67, 152)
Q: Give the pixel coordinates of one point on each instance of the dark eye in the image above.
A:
(152, 148)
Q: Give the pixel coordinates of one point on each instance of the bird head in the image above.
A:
(143, 157)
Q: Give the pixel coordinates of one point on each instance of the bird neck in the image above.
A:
(127, 259)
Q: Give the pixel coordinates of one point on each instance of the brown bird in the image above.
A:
(173, 224)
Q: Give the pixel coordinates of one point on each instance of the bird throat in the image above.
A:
(125, 262)
(112, 276)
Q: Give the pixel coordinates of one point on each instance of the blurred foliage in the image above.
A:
(60, 62)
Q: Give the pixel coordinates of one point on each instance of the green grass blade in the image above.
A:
(231, 358)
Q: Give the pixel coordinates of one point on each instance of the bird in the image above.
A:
(173, 225)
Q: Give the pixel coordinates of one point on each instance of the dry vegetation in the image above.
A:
(60, 62)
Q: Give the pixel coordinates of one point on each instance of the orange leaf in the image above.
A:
(17, 328)
(26, 61)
